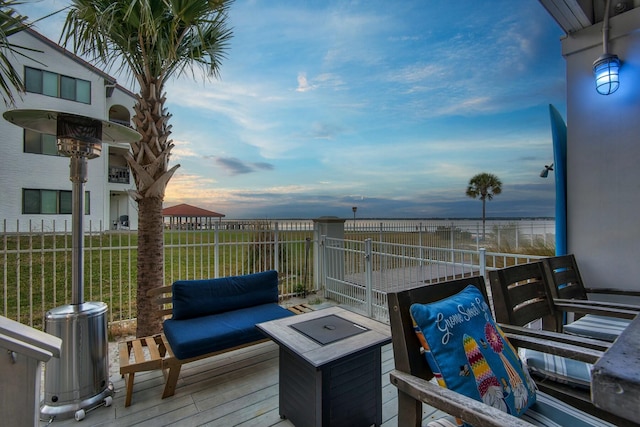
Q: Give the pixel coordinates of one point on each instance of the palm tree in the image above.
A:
(484, 185)
(11, 23)
(152, 41)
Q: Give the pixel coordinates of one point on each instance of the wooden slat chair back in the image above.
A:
(602, 319)
(564, 275)
(565, 282)
(521, 294)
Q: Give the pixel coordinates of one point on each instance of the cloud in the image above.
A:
(235, 166)
(264, 166)
(181, 150)
(325, 130)
(303, 83)
(419, 73)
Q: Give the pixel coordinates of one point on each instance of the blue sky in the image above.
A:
(388, 106)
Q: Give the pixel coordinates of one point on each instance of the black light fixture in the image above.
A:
(545, 171)
(606, 68)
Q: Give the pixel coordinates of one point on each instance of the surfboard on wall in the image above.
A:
(559, 135)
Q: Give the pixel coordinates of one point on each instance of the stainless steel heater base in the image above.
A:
(79, 380)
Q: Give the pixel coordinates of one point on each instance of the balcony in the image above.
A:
(119, 175)
(126, 123)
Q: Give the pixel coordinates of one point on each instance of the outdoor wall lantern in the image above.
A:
(606, 69)
(607, 66)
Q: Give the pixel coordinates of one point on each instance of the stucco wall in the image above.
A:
(603, 157)
(25, 170)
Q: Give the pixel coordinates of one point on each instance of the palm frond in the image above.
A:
(150, 39)
(11, 23)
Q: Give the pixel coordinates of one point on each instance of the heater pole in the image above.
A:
(78, 176)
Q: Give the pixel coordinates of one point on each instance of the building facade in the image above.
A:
(36, 189)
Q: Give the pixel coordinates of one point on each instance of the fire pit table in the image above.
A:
(330, 370)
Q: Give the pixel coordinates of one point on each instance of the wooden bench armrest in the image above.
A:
(155, 292)
(555, 340)
(470, 410)
(602, 308)
(613, 291)
(587, 350)
(558, 349)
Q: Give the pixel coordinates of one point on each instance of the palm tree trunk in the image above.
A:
(484, 214)
(150, 263)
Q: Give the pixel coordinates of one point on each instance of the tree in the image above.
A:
(11, 23)
(151, 41)
(485, 186)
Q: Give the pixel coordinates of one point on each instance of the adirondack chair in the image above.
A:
(521, 296)
(604, 320)
(412, 375)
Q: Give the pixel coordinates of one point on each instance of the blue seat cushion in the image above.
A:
(599, 327)
(547, 411)
(557, 368)
(197, 298)
(202, 335)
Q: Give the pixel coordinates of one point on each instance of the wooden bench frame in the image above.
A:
(159, 355)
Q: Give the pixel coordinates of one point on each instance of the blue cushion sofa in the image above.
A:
(216, 315)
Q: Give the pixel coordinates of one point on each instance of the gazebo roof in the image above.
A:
(183, 210)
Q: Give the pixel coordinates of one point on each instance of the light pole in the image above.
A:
(354, 209)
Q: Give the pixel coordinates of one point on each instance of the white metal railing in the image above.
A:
(509, 235)
(360, 273)
(118, 174)
(36, 264)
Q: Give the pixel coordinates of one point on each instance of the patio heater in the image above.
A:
(79, 380)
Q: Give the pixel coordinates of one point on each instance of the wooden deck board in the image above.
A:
(238, 388)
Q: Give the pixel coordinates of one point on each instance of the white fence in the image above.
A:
(360, 273)
(36, 265)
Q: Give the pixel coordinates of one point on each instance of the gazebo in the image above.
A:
(189, 217)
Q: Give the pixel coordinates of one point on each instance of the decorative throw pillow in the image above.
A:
(469, 354)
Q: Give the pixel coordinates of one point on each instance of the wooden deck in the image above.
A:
(238, 388)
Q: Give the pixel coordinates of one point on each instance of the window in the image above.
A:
(57, 85)
(67, 88)
(40, 143)
(51, 202)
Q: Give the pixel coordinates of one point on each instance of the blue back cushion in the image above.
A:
(195, 298)
(468, 352)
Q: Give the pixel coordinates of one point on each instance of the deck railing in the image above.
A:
(375, 256)
(360, 273)
(119, 174)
